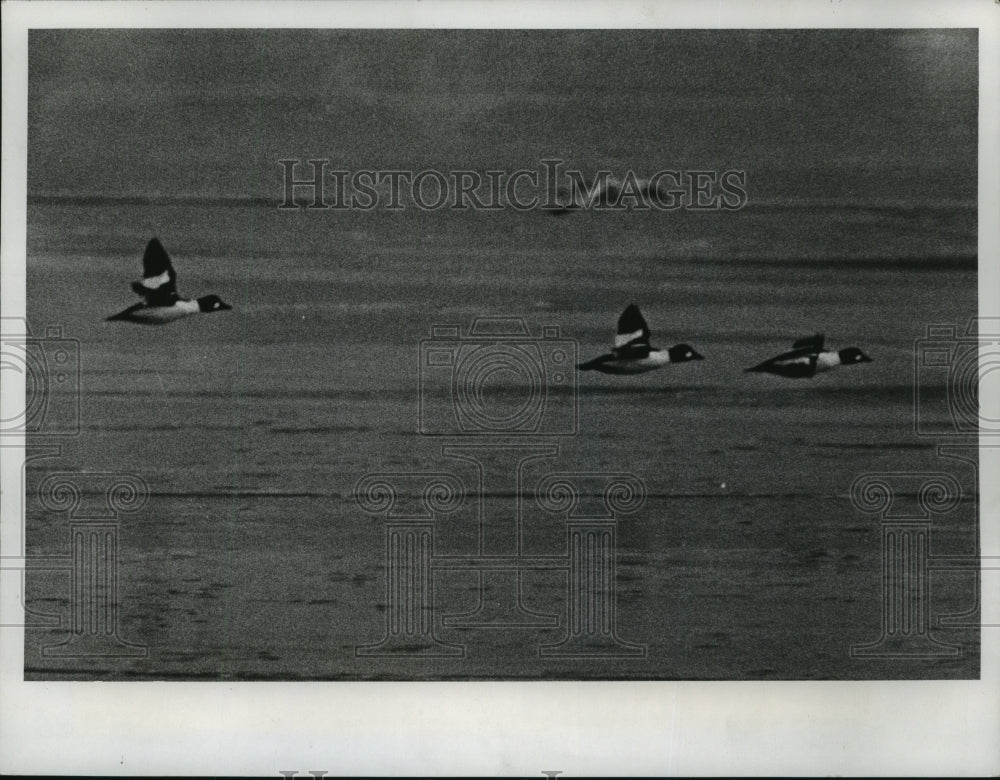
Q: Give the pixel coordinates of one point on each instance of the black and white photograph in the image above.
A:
(380, 351)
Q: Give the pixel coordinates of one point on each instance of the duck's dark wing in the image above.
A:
(812, 342)
(126, 314)
(633, 351)
(632, 338)
(796, 363)
(596, 363)
(159, 280)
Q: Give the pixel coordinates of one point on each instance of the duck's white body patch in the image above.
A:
(655, 359)
(161, 314)
(827, 360)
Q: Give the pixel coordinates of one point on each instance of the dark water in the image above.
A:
(252, 559)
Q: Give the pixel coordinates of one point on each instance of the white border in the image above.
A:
(743, 728)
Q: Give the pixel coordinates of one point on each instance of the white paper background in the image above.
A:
(649, 728)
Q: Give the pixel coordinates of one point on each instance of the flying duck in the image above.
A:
(632, 353)
(158, 287)
(808, 358)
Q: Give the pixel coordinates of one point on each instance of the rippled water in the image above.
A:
(252, 558)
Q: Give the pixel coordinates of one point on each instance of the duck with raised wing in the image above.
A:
(158, 288)
(632, 352)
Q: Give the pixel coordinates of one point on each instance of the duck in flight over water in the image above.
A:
(632, 353)
(158, 287)
(808, 358)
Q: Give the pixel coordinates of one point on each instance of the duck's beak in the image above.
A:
(224, 306)
(866, 359)
(697, 356)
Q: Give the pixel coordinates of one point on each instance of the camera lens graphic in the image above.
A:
(19, 359)
(499, 387)
(968, 373)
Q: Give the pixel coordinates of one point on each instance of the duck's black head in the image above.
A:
(853, 355)
(682, 353)
(210, 303)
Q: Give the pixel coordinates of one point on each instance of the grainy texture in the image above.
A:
(252, 427)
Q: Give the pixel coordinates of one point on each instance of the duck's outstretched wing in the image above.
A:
(159, 280)
(796, 363)
(632, 338)
(127, 314)
(811, 342)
